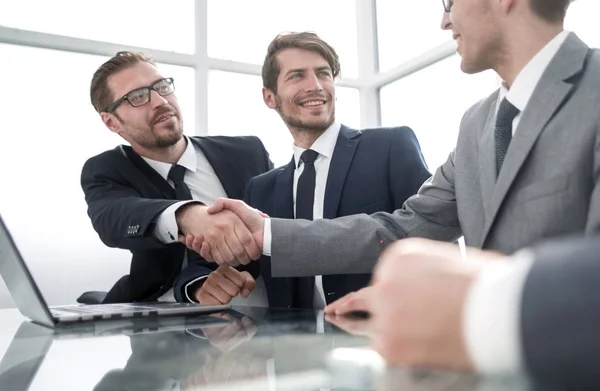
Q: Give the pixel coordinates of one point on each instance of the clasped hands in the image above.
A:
(228, 232)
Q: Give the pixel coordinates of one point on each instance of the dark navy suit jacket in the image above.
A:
(370, 171)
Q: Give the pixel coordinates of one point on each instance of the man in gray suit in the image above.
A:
(525, 166)
(536, 313)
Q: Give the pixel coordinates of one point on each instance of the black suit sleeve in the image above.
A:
(407, 167)
(118, 213)
(560, 318)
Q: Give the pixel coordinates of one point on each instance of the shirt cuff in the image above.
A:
(166, 229)
(188, 285)
(267, 237)
(491, 323)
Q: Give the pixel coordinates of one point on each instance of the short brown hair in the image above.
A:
(304, 40)
(100, 93)
(550, 10)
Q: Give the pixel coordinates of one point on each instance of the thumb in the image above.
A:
(218, 206)
(249, 284)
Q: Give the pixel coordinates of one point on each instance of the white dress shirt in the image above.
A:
(492, 311)
(324, 145)
(205, 187)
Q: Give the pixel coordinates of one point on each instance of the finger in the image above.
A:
(234, 276)
(212, 289)
(226, 334)
(250, 327)
(248, 285)
(238, 207)
(355, 303)
(333, 307)
(217, 252)
(228, 247)
(205, 297)
(217, 206)
(206, 252)
(247, 241)
(357, 327)
(229, 287)
(236, 246)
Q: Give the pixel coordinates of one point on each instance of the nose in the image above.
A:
(313, 83)
(156, 100)
(446, 22)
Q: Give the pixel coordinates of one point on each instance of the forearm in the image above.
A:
(346, 245)
(128, 223)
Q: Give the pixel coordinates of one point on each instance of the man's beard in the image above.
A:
(298, 124)
(149, 139)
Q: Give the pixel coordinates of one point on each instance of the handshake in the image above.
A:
(227, 233)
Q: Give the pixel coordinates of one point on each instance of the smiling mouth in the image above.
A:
(313, 103)
(163, 118)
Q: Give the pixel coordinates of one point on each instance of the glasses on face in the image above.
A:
(448, 5)
(141, 96)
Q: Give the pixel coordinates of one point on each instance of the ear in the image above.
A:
(269, 98)
(506, 5)
(111, 122)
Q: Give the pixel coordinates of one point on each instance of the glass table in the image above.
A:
(244, 348)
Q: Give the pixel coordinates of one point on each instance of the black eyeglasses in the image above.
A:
(448, 5)
(141, 96)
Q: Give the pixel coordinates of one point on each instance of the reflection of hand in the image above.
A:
(230, 336)
(231, 366)
(228, 238)
(416, 303)
(353, 326)
(224, 284)
(251, 218)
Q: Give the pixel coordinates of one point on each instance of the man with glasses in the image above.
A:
(142, 196)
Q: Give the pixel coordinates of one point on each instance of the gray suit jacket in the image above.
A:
(548, 185)
(560, 314)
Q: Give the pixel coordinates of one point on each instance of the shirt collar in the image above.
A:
(324, 145)
(187, 160)
(524, 85)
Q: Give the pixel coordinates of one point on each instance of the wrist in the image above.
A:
(193, 290)
(187, 214)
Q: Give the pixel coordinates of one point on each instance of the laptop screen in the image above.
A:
(19, 281)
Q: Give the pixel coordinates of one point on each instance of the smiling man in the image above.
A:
(334, 171)
(141, 196)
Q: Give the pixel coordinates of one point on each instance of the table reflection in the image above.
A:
(242, 348)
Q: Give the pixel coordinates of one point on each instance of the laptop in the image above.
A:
(31, 303)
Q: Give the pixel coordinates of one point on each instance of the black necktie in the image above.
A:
(176, 174)
(182, 192)
(305, 199)
(503, 131)
(305, 192)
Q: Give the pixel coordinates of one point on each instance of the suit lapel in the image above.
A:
(552, 90)
(223, 167)
(487, 159)
(338, 169)
(154, 177)
(283, 200)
